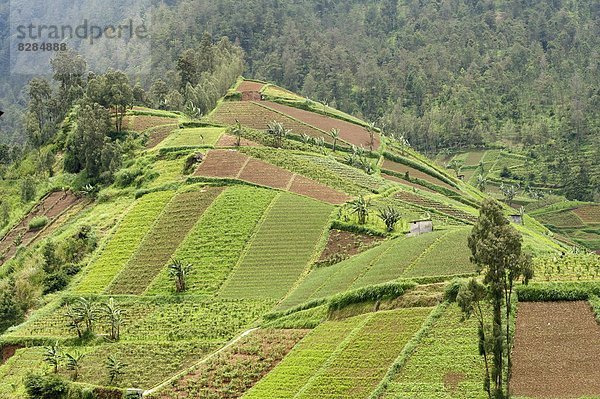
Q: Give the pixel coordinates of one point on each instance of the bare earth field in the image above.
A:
(557, 351)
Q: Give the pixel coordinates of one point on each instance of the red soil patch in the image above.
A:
(222, 163)
(412, 172)
(227, 140)
(350, 132)
(51, 206)
(556, 352)
(265, 174)
(451, 380)
(589, 213)
(343, 244)
(252, 115)
(8, 351)
(408, 183)
(233, 164)
(311, 188)
(157, 135)
(141, 123)
(247, 85)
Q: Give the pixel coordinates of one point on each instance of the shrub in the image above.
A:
(38, 222)
(28, 190)
(371, 293)
(451, 290)
(45, 387)
(55, 282)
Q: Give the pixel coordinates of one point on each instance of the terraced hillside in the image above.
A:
(218, 270)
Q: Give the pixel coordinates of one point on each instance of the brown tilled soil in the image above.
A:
(251, 114)
(141, 123)
(51, 206)
(222, 163)
(7, 352)
(311, 188)
(589, 213)
(227, 140)
(412, 172)
(247, 85)
(157, 135)
(557, 351)
(265, 174)
(343, 244)
(350, 132)
(233, 164)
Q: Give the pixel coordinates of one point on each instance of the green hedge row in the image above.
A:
(558, 291)
(377, 292)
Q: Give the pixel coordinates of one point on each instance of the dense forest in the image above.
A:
(446, 74)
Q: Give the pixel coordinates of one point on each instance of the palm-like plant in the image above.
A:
(360, 207)
(237, 131)
(335, 135)
(306, 139)
(116, 369)
(390, 216)
(481, 182)
(179, 272)
(509, 191)
(278, 132)
(52, 356)
(74, 320)
(88, 312)
(115, 316)
(73, 363)
(455, 165)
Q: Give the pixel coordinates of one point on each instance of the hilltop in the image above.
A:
(290, 293)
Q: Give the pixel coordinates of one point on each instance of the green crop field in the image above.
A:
(280, 250)
(420, 256)
(122, 245)
(170, 229)
(445, 365)
(216, 242)
(193, 137)
(341, 360)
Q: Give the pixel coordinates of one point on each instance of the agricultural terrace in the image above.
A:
(248, 360)
(248, 85)
(446, 363)
(49, 210)
(159, 244)
(414, 173)
(567, 267)
(342, 359)
(444, 208)
(254, 116)
(232, 164)
(424, 255)
(280, 250)
(349, 132)
(216, 242)
(193, 137)
(556, 351)
(579, 222)
(127, 237)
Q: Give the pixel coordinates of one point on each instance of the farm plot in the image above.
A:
(141, 123)
(227, 140)
(122, 245)
(232, 164)
(248, 85)
(216, 242)
(557, 346)
(564, 218)
(157, 134)
(280, 250)
(428, 203)
(473, 158)
(156, 319)
(446, 363)
(51, 207)
(349, 132)
(448, 256)
(407, 183)
(231, 373)
(15, 369)
(412, 172)
(194, 137)
(222, 163)
(255, 116)
(343, 244)
(580, 266)
(158, 246)
(370, 182)
(377, 265)
(589, 214)
(349, 368)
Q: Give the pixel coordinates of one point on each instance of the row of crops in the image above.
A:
(155, 319)
(281, 249)
(339, 359)
(425, 255)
